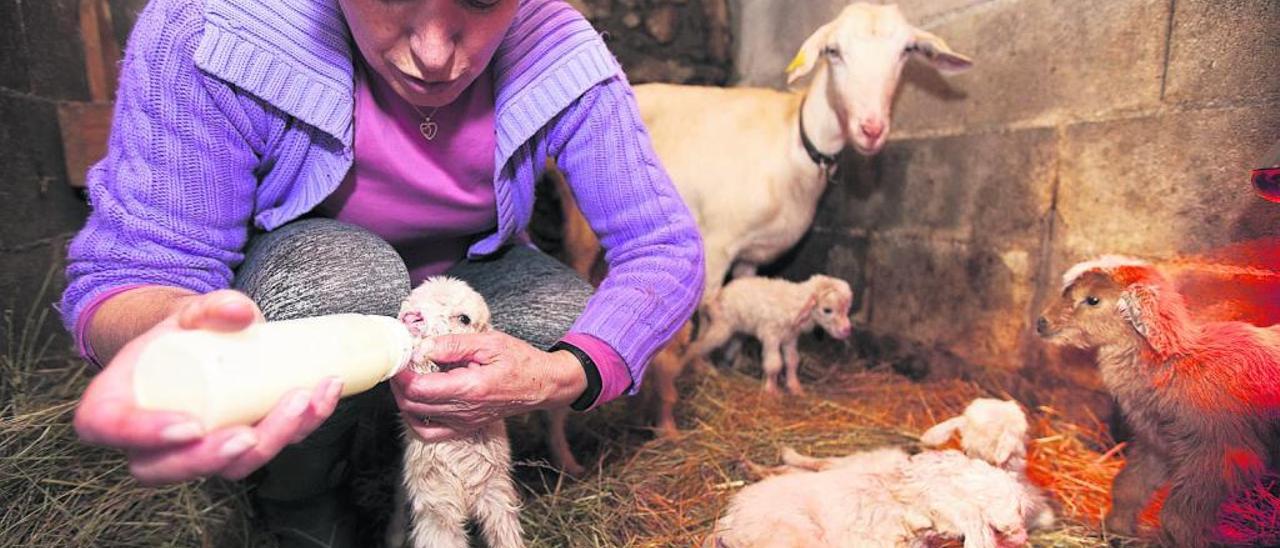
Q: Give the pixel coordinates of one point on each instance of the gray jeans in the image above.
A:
(317, 266)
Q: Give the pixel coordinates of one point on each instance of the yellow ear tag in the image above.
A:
(796, 63)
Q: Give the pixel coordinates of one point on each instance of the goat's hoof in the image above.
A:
(667, 430)
(796, 389)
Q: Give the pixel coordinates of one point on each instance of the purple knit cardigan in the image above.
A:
(232, 112)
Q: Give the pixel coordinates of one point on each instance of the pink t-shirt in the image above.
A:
(429, 199)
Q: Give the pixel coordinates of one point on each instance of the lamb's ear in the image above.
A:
(805, 311)
(934, 50)
(809, 53)
(1007, 446)
(940, 433)
(1157, 318)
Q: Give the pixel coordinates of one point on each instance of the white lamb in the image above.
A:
(776, 312)
(445, 483)
(994, 431)
(886, 498)
(881, 498)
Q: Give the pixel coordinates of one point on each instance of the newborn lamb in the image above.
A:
(886, 498)
(776, 312)
(881, 498)
(447, 482)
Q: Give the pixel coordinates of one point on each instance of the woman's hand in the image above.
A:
(485, 377)
(164, 447)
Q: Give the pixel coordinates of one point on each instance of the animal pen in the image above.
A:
(1021, 138)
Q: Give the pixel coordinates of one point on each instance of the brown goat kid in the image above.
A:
(1203, 399)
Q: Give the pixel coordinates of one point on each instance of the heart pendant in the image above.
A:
(429, 129)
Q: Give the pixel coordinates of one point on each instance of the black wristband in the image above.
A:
(594, 383)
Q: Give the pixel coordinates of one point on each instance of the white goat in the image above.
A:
(776, 312)
(880, 498)
(885, 498)
(738, 159)
(738, 156)
(447, 482)
(991, 430)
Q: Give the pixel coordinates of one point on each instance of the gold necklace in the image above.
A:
(428, 127)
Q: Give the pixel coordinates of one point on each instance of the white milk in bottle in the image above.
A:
(236, 378)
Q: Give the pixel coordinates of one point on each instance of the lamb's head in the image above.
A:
(829, 305)
(994, 431)
(1113, 301)
(860, 55)
(443, 305)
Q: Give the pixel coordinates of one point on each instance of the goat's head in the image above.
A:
(861, 54)
(991, 430)
(829, 305)
(1116, 300)
(443, 305)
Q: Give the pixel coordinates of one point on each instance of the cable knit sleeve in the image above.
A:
(171, 201)
(652, 244)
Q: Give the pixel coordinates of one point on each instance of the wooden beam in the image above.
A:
(84, 127)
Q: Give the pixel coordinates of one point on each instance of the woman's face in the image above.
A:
(429, 51)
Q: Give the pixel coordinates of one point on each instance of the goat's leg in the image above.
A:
(1143, 473)
(718, 258)
(558, 442)
(715, 332)
(791, 358)
(791, 457)
(438, 524)
(498, 513)
(772, 362)
(1202, 480)
(734, 347)
(666, 367)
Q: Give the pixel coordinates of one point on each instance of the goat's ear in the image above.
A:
(940, 433)
(1007, 445)
(935, 51)
(1154, 317)
(805, 311)
(809, 53)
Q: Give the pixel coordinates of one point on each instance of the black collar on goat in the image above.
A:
(826, 162)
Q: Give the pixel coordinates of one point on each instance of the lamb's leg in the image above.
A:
(498, 511)
(772, 362)
(791, 457)
(734, 346)
(715, 331)
(791, 357)
(1201, 483)
(558, 442)
(1144, 472)
(438, 525)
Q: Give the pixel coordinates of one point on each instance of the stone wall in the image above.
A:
(1098, 126)
(680, 41)
(42, 67)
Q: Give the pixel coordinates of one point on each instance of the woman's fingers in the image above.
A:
(324, 399)
(224, 310)
(274, 431)
(201, 458)
(432, 431)
(107, 414)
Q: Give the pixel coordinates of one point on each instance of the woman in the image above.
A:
(261, 166)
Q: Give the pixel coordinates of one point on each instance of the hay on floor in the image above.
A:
(669, 492)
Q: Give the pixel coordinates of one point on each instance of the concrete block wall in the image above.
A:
(1086, 127)
(42, 65)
